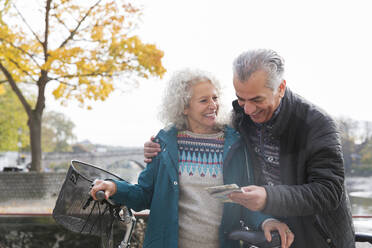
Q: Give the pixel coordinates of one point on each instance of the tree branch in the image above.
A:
(61, 22)
(28, 26)
(46, 31)
(19, 67)
(43, 79)
(23, 51)
(73, 32)
(65, 83)
(16, 90)
(93, 74)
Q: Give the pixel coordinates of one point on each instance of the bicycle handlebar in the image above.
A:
(100, 195)
(363, 237)
(256, 238)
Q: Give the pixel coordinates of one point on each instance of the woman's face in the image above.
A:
(202, 109)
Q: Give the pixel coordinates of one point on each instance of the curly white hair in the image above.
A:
(177, 95)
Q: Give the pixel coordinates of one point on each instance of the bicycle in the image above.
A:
(250, 238)
(256, 239)
(75, 211)
(125, 216)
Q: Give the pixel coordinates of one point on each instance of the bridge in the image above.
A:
(103, 159)
(61, 160)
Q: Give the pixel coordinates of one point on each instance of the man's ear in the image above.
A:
(282, 88)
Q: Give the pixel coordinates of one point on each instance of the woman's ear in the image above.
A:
(185, 111)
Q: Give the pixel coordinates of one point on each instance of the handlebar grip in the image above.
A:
(256, 238)
(363, 237)
(100, 195)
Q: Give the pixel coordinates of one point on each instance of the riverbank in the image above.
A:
(37, 192)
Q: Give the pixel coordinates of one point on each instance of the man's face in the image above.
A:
(257, 100)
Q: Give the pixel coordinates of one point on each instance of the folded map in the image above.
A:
(222, 191)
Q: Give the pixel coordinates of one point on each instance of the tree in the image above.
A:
(57, 132)
(13, 128)
(366, 153)
(82, 48)
(356, 137)
(348, 129)
(365, 147)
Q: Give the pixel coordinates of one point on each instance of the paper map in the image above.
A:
(221, 192)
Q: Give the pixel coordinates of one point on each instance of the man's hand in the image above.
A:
(253, 197)
(285, 233)
(150, 149)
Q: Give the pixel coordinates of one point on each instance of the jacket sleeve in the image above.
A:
(138, 196)
(254, 219)
(323, 186)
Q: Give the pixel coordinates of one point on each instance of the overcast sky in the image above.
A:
(326, 46)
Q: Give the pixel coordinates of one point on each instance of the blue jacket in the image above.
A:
(158, 190)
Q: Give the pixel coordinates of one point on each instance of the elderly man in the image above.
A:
(295, 150)
(296, 153)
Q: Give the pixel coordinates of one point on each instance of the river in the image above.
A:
(17, 231)
(360, 192)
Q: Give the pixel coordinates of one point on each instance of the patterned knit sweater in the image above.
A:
(200, 166)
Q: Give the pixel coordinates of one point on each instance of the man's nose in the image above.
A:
(249, 108)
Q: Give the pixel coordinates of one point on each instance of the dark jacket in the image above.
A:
(158, 190)
(312, 199)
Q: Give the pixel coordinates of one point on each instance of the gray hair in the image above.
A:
(261, 59)
(177, 95)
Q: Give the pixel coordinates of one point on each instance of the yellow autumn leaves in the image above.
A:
(2, 89)
(89, 48)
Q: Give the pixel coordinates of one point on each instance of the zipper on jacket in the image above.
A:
(322, 233)
(246, 163)
(262, 147)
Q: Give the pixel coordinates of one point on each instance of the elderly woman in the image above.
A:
(198, 151)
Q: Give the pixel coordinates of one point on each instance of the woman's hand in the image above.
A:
(108, 187)
(285, 233)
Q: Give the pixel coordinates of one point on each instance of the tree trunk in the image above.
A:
(34, 124)
(347, 151)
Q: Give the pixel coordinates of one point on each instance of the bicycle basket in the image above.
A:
(75, 209)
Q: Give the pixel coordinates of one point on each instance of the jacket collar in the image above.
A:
(231, 137)
(281, 120)
(168, 142)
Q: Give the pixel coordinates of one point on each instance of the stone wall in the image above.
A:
(29, 192)
(37, 192)
(30, 185)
